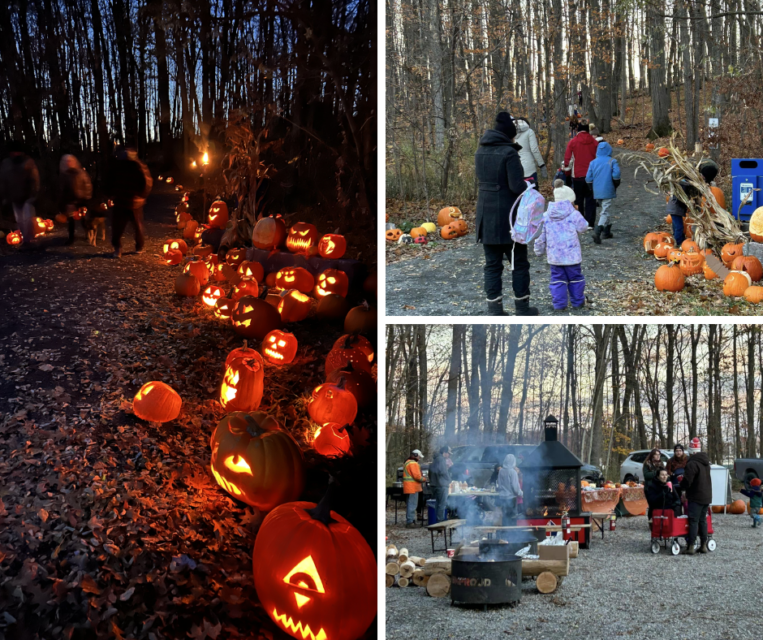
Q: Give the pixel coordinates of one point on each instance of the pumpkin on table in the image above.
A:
(332, 281)
(302, 237)
(314, 572)
(297, 278)
(157, 402)
(332, 440)
(279, 347)
(254, 318)
(332, 402)
(256, 461)
(187, 285)
(218, 214)
(447, 215)
(293, 305)
(243, 380)
(332, 246)
(269, 233)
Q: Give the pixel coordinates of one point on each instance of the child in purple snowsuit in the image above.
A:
(559, 240)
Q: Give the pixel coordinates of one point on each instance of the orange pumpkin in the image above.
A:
(187, 285)
(332, 246)
(173, 257)
(302, 237)
(418, 232)
(674, 255)
(449, 231)
(448, 215)
(293, 305)
(251, 269)
(332, 281)
(737, 507)
(662, 248)
(461, 226)
(392, 235)
(243, 381)
(269, 233)
(245, 287)
(297, 278)
(649, 146)
(708, 272)
(157, 402)
(183, 218)
(235, 256)
(720, 198)
(198, 269)
(691, 263)
(361, 319)
(331, 402)
(212, 294)
(736, 283)
(359, 383)
(346, 353)
(357, 342)
(254, 318)
(218, 270)
(621, 142)
(218, 215)
(189, 230)
(717, 508)
(750, 264)
(279, 347)
(175, 245)
(669, 278)
(331, 440)
(223, 308)
(689, 245)
(652, 239)
(202, 251)
(730, 251)
(663, 152)
(754, 294)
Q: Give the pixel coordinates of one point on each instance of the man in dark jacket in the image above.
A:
(501, 181)
(439, 481)
(581, 151)
(128, 183)
(699, 492)
(19, 184)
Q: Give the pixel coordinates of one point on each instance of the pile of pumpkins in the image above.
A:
(738, 507)
(450, 221)
(40, 227)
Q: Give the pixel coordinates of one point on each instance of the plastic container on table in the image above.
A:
(432, 511)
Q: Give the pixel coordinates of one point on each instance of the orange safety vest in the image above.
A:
(411, 477)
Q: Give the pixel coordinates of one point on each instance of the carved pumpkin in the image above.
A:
(361, 319)
(157, 402)
(689, 245)
(297, 278)
(418, 232)
(269, 233)
(224, 308)
(346, 350)
(199, 232)
(218, 215)
(183, 218)
(189, 230)
(730, 251)
(279, 347)
(756, 225)
(243, 380)
(669, 278)
(178, 187)
(80, 213)
(708, 272)
(187, 285)
(294, 306)
(461, 226)
(332, 281)
(302, 237)
(736, 283)
(199, 269)
(662, 248)
(38, 227)
(49, 224)
(331, 440)
(250, 269)
(14, 238)
(212, 294)
(620, 142)
(358, 342)
(652, 239)
(332, 307)
(235, 257)
(331, 402)
(692, 263)
(173, 257)
(203, 251)
(254, 318)
(393, 235)
(332, 246)
(170, 180)
(245, 287)
(674, 255)
(359, 383)
(175, 245)
(300, 581)
(448, 215)
(754, 294)
(218, 273)
(449, 231)
(750, 264)
(256, 461)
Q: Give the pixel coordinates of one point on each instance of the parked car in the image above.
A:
(743, 466)
(632, 470)
(475, 464)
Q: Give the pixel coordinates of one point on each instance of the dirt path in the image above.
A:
(451, 282)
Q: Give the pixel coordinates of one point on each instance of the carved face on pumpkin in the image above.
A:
(279, 347)
(223, 308)
(297, 278)
(302, 237)
(332, 281)
(393, 235)
(332, 246)
(254, 270)
(14, 238)
(212, 294)
(235, 256)
(218, 214)
(293, 305)
(243, 381)
(174, 245)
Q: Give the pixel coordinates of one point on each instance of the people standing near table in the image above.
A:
(529, 153)
(509, 490)
(19, 184)
(412, 486)
(439, 481)
(699, 492)
(581, 151)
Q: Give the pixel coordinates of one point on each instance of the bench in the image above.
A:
(446, 527)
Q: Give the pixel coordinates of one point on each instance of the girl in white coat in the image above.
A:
(530, 155)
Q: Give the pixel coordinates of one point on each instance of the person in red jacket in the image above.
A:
(581, 150)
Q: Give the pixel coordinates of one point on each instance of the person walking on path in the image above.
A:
(581, 151)
(529, 153)
(501, 181)
(699, 493)
(603, 178)
(128, 183)
(19, 185)
(412, 486)
(676, 209)
(509, 490)
(439, 481)
(74, 190)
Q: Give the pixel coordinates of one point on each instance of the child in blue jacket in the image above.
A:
(755, 494)
(603, 178)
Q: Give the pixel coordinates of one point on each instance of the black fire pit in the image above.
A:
(481, 579)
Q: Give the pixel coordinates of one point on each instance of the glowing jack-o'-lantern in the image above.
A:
(269, 233)
(157, 402)
(254, 318)
(14, 238)
(331, 440)
(332, 246)
(350, 348)
(223, 308)
(331, 402)
(245, 287)
(279, 347)
(332, 281)
(218, 214)
(255, 461)
(170, 180)
(293, 305)
(212, 294)
(199, 269)
(249, 269)
(175, 245)
(302, 237)
(217, 270)
(173, 257)
(79, 213)
(297, 278)
(235, 256)
(38, 227)
(243, 380)
(297, 577)
(49, 224)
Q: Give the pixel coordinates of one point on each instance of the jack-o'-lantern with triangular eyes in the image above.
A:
(332, 246)
(302, 237)
(314, 572)
(332, 281)
(224, 308)
(251, 269)
(393, 235)
(212, 294)
(297, 278)
(279, 347)
(218, 214)
(243, 380)
(235, 256)
(293, 305)
(256, 461)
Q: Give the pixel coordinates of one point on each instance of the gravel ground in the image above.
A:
(617, 588)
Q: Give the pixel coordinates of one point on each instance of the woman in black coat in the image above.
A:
(662, 495)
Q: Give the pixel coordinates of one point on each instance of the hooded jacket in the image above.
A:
(696, 482)
(583, 149)
(603, 172)
(501, 181)
(661, 496)
(508, 480)
(439, 476)
(19, 179)
(529, 154)
(558, 237)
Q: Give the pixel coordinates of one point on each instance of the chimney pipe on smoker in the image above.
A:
(550, 424)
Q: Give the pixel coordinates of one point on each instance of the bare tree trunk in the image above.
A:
(454, 378)
(751, 340)
(737, 435)
(657, 87)
(507, 382)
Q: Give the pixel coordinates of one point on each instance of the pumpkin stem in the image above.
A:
(322, 511)
(264, 293)
(349, 340)
(245, 342)
(342, 383)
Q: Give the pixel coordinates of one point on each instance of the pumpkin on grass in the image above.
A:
(392, 235)
(754, 294)
(731, 251)
(157, 402)
(736, 283)
(691, 263)
(332, 402)
(197, 268)
(256, 461)
(669, 278)
(750, 264)
(332, 440)
(448, 215)
(358, 382)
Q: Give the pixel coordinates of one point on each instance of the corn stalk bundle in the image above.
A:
(714, 226)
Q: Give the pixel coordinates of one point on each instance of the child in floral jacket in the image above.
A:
(559, 240)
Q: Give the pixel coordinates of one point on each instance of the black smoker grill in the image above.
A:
(494, 577)
(551, 479)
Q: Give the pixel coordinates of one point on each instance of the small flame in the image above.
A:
(205, 158)
(193, 164)
(545, 511)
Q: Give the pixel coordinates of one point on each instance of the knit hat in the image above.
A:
(755, 482)
(505, 124)
(677, 447)
(709, 169)
(564, 193)
(558, 183)
(695, 446)
(582, 126)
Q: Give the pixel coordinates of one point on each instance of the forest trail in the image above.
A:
(450, 283)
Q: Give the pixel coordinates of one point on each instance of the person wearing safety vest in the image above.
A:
(412, 486)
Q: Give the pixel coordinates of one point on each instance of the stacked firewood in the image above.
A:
(404, 570)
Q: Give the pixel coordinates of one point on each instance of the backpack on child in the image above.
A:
(530, 207)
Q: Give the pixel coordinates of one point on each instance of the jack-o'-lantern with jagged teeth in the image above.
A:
(302, 237)
(279, 347)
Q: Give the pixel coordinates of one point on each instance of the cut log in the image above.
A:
(536, 567)
(438, 585)
(390, 580)
(393, 568)
(403, 555)
(418, 561)
(574, 546)
(430, 569)
(402, 582)
(391, 548)
(407, 569)
(546, 582)
(439, 561)
(420, 578)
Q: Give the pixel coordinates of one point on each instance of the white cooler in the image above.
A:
(719, 476)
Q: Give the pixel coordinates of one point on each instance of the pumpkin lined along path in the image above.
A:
(124, 526)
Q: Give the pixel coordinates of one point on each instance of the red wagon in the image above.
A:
(668, 529)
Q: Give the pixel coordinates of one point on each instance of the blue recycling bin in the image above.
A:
(431, 511)
(746, 175)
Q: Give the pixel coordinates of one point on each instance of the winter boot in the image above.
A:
(495, 308)
(597, 234)
(523, 307)
(690, 550)
(703, 547)
(607, 232)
